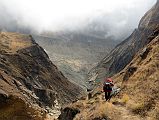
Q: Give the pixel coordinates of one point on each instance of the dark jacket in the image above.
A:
(107, 87)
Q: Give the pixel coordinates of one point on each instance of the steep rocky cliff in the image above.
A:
(29, 81)
(124, 52)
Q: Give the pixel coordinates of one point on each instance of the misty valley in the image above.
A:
(79, 60)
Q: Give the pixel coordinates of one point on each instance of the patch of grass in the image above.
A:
(143, 108)
(102, 110)
(138, 108)
(125, 98)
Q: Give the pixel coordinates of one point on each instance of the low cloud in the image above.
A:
(120, 17)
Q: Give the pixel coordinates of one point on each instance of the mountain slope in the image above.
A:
(124, 52)
(138, 99)
(27, 75)
(140, 80)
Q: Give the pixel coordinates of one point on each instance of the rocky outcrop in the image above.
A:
(27, 74)
(126, 50)
(68, 113)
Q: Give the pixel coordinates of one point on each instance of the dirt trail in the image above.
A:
(126, 114)
(121, 110)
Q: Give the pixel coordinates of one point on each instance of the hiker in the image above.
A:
(108, 87)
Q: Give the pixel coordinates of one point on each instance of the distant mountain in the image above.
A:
(75, 52)
(124, 52)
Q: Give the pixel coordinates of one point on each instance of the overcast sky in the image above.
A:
(58, 14)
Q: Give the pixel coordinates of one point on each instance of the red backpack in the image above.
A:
(108, 84)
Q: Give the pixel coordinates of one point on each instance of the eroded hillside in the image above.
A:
(29, 81)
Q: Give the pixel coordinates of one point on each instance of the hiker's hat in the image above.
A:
(108, 80)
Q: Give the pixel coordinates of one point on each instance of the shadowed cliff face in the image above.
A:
(27, 74)
(124, 52)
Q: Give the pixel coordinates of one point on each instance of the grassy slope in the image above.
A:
(142, 83)
(139, 97)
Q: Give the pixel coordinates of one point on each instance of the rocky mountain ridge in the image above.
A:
(27, 75)
(124, 52)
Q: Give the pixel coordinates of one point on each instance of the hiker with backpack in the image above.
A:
(108, 87)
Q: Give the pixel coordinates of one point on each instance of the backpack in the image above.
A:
(107, 87)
